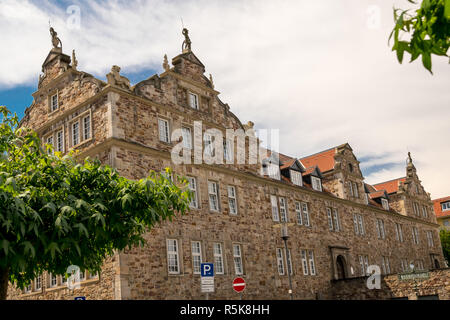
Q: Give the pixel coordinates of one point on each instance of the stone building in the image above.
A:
(338, 225)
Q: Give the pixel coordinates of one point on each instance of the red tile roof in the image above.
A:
(324, 160)
(377, 194)
(438, 207)
(389, 186)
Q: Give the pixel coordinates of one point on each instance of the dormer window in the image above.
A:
(316, 183)
(54, 103)
(296, 178)
(385, 204)
(446, 206)
(193, 101)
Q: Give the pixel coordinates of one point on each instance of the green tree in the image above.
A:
(55, 212)
(445, 241)
(428, 30)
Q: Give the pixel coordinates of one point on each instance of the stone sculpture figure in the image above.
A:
(115, 79)
(187, 42)
(57, 43)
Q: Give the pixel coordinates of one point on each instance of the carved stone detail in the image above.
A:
(115, 79)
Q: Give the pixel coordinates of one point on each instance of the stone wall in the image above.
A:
(393, 288)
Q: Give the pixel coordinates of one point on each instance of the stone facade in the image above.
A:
(123, 131)
(437, 286)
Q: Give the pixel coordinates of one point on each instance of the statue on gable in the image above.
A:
(187, 44)
(57, 43)
(115, 79)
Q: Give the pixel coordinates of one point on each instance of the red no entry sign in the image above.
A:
(239, 285)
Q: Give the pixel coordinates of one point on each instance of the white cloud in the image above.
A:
(314, 69)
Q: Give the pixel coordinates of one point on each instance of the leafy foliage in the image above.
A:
(430, 28)
(445, 241)
(55, 212)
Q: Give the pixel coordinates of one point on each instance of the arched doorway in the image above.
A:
(436, 264)
(340, 268)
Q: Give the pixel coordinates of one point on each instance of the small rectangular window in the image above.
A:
(38, 283)
(399, 232)
(213, 191)
(330, 219)
(53, 280)
(274, 203)
(228, 153)
(173, 257)
(283, 210)
(280, 262)
(193, 189)
(316, 183)
(164, 130)
(54, 102)
(430, 239)
(380, 229)
(298, 211)
(196, 257)
(415, 233)
(209, 145)
(305, 263)
(187, 138)
(337, 224)
(60, 141)
(355, 190)
(296, 178)
(306, 218)
(75, 133)
(362, 230)
(312, 264)
(87, 127)
(218, 258)
(237, 255)
(193, 101)
(50, 142)
(232, 200)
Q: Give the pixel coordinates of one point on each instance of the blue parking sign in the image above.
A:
(207, 269)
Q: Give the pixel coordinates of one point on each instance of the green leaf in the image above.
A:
(29, 249)
(5, 246)
(53, 247)
(426, 60)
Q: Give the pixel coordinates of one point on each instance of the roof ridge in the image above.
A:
(377, 184)
(320, 152)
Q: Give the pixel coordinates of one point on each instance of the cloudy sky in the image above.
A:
(320, 71)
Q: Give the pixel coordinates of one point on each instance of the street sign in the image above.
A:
(207, 269)
(239, 285)
(414, 276)
(207, 272)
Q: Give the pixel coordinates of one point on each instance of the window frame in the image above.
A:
(316, 183)
(284, 215)
(274, 205)
(238, 259)
(185, 129)
(196, 255)
(232, 197)
(197, 100)
(296, 178)
(216, 194)
(220, 257)
(280, 262)
(51, 105)
(175, 253)
(167, 133)
(195, 191)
